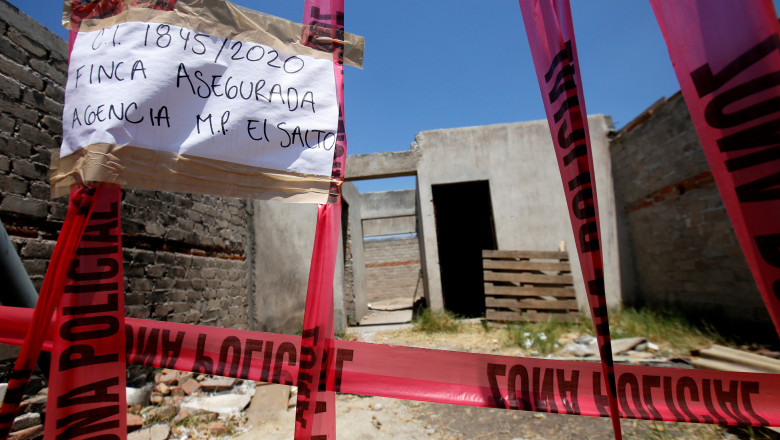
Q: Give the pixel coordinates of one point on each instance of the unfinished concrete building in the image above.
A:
(667, 239)
(487, 187)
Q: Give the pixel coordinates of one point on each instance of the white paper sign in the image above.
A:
(167, 88)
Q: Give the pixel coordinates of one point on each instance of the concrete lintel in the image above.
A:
(389, 226)
(387, 204)
(382, 165)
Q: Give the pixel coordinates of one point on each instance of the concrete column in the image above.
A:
(284, 238)
(359, 289)
(429, 251)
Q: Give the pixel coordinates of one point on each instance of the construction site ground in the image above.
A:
(368, 417)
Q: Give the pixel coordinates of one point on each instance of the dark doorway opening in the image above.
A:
(464, 227)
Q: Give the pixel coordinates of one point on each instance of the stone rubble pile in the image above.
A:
(183, 405)
(178, 405)
(29, 424)
(636, 347)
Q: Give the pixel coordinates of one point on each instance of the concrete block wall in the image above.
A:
(185, 258)
(676, 238)
(185, 255)
(392, 268)
(32, 65)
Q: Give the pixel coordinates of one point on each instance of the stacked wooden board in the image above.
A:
(528, 286)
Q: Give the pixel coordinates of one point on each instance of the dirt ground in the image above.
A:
(367, 418)
(364, 417)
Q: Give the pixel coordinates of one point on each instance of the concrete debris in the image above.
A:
(639, 355)
(722, 358)
(27, 434)
(190, 386)
(586, 340)
(581, 347)
(178, 406)
(138, 396)
(217, 427)
(25, 421)
(588, 346)
(647, 346)
(217, 384)
(162, 412)
(36, 403)
(163, 389)
(228, 403)
(134, 422)
(185, 376)
(622, 345)
(180, 416)
(167, 377)
(268, 398)
(160, 431)
(293, 397)
(28, 425)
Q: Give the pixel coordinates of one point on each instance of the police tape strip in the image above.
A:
(89, 320)
(484, 380)
(315, 412)
(550, 31)
(80, 206)
(727, 61)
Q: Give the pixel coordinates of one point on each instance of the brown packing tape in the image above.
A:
(226, 20)
(130, 166)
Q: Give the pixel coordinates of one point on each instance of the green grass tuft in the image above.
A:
(436, 321)
(659, 326)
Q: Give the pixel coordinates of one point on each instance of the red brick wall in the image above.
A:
(392, 268)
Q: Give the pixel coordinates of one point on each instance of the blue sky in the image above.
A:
(439, 64)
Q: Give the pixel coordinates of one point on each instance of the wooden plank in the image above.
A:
(534, 316)
(558, 292)
(526, 265)
(512, 277)
(546, 255)
(543, 304)
(494, 315)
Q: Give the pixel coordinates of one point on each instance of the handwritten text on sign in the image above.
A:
(176, 90)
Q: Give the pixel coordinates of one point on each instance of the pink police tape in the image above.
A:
(544, 385)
